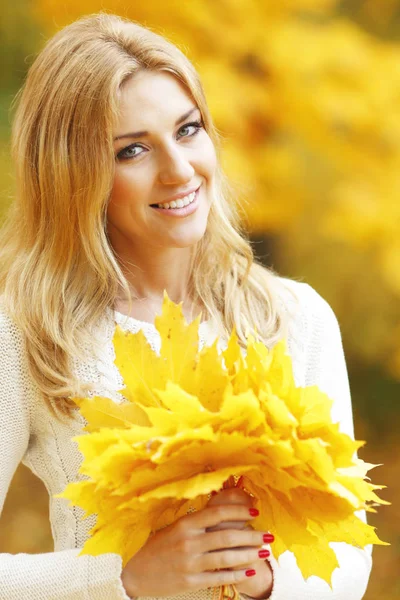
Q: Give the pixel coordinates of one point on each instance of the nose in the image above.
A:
(175, 167)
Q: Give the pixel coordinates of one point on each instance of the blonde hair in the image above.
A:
(58, 272)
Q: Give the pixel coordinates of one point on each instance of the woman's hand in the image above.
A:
(195, 552)
(259, 586)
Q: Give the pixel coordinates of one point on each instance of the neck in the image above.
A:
(149, 274)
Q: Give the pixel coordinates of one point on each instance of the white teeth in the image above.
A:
(179, 203)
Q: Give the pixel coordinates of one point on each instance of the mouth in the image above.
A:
(179, 208)
(175, 204)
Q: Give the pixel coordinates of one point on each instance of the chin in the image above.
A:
(185, 242)
(188, 238)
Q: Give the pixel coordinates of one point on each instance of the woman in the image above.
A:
(120, 195)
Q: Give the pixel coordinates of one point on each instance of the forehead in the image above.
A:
(150, 97)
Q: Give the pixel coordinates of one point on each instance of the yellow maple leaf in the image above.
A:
(191, 420)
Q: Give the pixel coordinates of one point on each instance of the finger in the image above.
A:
(217, 578)
(228, 525)
(232, 496)
(237, 495)
(226, 559)
(214, 515)
(229, 538)
(263, 556)
(238, 525)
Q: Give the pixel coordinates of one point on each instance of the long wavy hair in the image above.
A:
(59, 274)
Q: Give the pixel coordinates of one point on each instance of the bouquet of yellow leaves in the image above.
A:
(195, 418)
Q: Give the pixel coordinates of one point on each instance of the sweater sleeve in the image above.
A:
(325, 367)
(54, 575)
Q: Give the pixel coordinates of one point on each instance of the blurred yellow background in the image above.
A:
(306, 94)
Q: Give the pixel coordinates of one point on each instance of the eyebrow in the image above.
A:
(139, 134)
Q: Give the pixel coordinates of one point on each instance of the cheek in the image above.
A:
(210, 157)
(122, 190)
(125, 198)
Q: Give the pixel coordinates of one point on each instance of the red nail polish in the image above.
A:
(264, 553)
(268, 538)
(250, 573)
(213, 493)
(254, 512)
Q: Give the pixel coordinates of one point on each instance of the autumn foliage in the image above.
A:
(307, 103)
(194, 418)
(305, 96)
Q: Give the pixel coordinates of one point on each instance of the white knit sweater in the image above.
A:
(29, 433)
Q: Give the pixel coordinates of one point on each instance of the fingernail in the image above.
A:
(250, 573)
(254, 512)
(264, 553)
(213, 493)
(268, 538)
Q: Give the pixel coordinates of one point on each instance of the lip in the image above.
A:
(177, 196)
(180, 212)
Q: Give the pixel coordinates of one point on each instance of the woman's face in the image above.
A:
(160, 151)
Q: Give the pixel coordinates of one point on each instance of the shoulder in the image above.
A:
(307, 306)
(317, 329)
(11, 339)
(307, 297)
(16, 391)
(313, 333)
(13, 359)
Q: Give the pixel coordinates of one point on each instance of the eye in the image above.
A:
(197, 126)
(129, 152)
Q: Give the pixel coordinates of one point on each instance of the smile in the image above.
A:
(179, 208)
